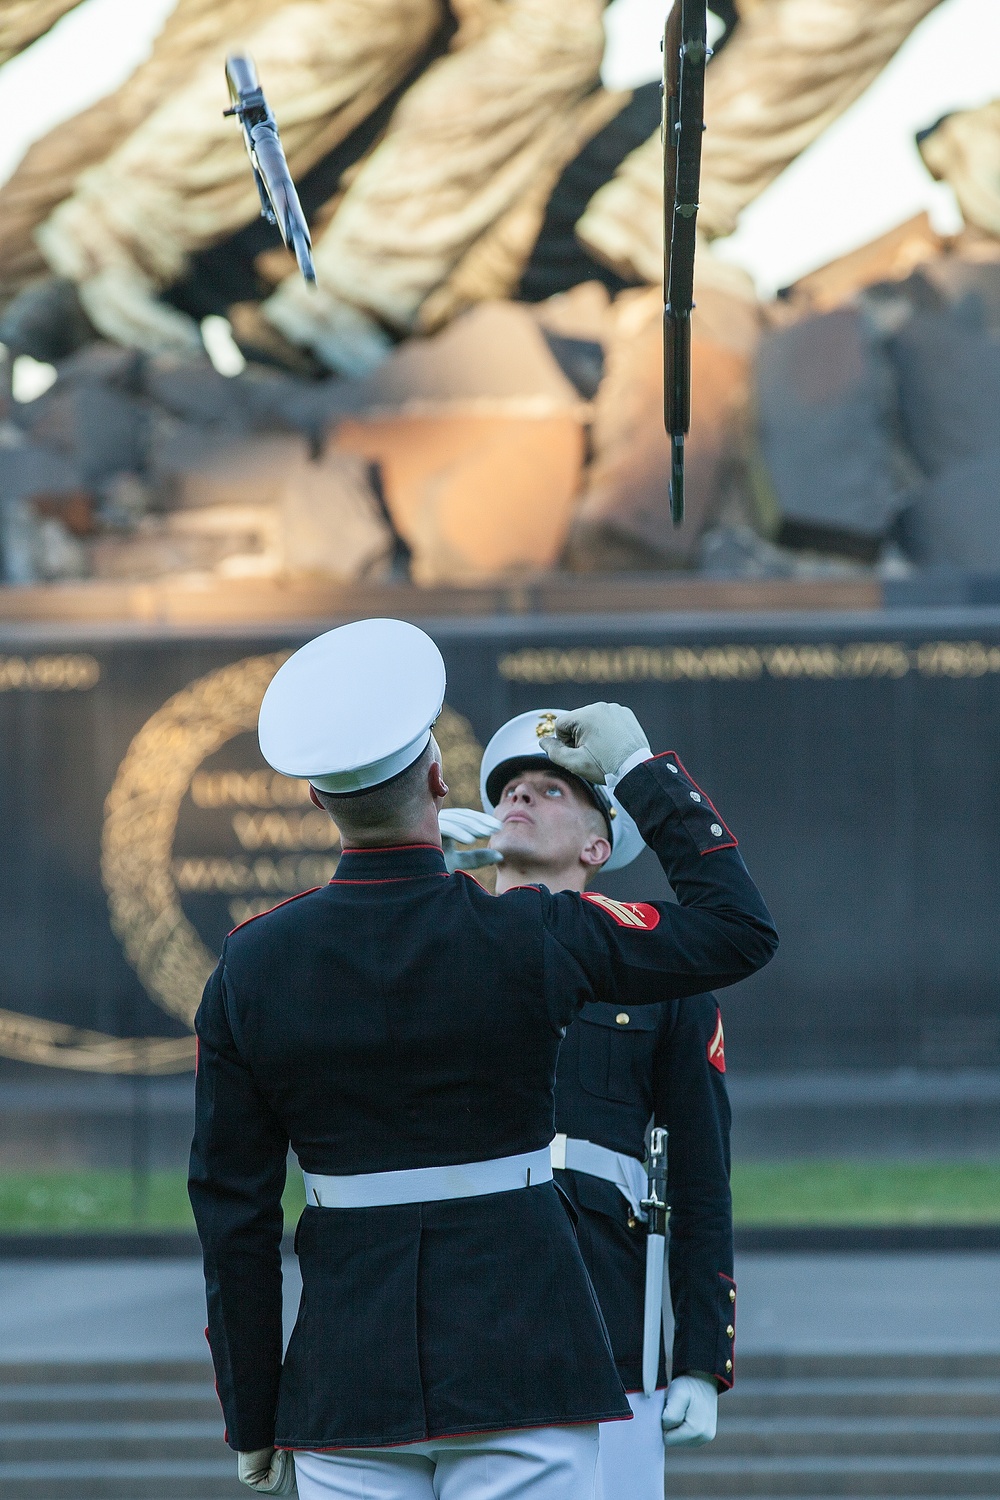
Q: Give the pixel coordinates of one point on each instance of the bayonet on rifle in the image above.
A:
(685, 54)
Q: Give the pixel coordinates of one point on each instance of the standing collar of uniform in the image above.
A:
(396, 862)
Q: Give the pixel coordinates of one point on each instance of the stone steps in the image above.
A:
(160, 1478)
(847, 1475)
(814, 1426)
(796, 1428)
(869, 1437)
(113, 1432)
(930, 1399)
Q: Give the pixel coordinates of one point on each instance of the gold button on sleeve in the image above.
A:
(729, 1367)
(622, 1018)
(732, 1294)
(730, 1332)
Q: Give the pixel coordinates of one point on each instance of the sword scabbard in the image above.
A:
(657, 1209)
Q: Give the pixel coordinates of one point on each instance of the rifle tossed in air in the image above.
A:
(279, 202)
(685, 55)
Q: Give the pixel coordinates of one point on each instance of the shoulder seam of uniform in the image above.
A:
(287, 901)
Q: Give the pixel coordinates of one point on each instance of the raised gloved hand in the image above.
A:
(269, 1471)
(690, 1412)
(595, 742)
(461, 825)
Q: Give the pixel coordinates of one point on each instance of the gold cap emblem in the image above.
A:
(546, 725)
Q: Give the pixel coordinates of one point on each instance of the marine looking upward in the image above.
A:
(617, 1072)
(399, 1029)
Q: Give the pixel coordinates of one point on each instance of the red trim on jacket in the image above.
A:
(441, 1437)
(732, 842)
(215, 1378)
(275, 907)
(726, 1381)
(390, 848)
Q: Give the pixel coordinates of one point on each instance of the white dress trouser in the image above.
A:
(534, 1463)
(630, 1464)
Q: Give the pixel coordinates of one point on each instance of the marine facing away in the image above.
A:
(400, 1027)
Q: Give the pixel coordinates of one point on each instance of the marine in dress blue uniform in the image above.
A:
(399, 1028)
(620, 1070)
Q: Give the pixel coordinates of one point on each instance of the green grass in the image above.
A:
(866, 1192)
(39, 1201)
(791, 1192)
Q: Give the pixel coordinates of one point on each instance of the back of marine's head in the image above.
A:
(352, 712)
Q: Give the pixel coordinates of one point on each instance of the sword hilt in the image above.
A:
(655, 1203)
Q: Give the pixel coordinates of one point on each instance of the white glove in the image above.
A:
(690, 1412)
(269, 1471)
(596, 741)
(461, 825)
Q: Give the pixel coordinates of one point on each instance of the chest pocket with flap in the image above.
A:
(616, 1046)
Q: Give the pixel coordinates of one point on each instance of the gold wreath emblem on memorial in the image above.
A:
(141, 812)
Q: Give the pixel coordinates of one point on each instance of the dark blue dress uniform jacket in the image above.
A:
(617, 1069)
(399, 1018)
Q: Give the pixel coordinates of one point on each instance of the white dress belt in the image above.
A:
(473, 1179)
(627, 1174)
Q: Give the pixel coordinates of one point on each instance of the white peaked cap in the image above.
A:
(517, 744)
(354, 707)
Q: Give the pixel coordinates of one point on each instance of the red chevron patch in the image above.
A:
(636, 914)
(717, 1046)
